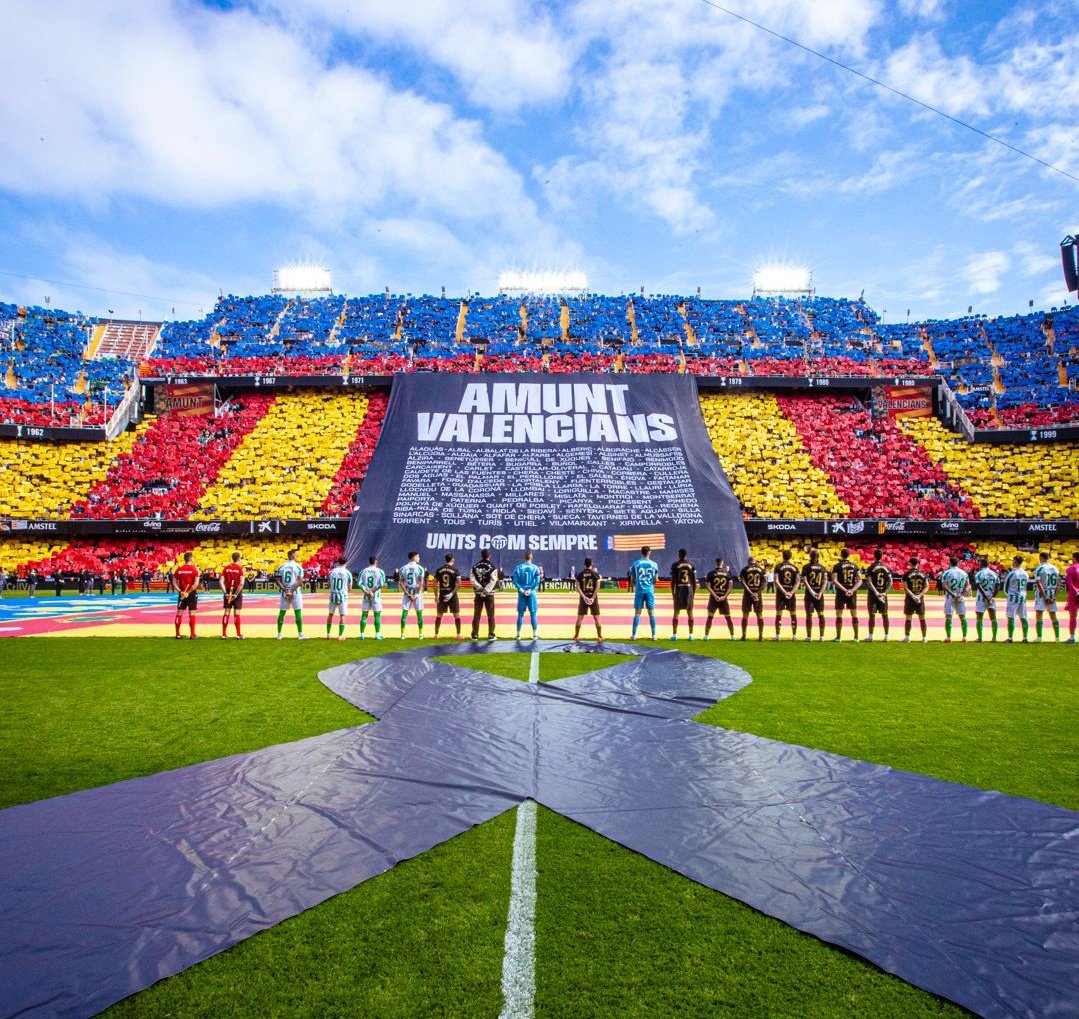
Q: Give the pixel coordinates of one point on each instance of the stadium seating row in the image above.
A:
(304, 454)
(1010, 370)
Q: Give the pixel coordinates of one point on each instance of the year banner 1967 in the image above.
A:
(566, 466)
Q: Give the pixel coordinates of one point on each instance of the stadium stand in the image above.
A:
(103, 557)
(350, 475)
(286, 465)
(876, 468)
(175, 459)
(1005, 480)
(43, 480)
(769, 468)
(1007, 371)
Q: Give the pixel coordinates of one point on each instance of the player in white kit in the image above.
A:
(1046, 585)
(986, 585)
(340, 581)
(289, 579)
(371, 580)
(956, 584)
(412, 577)
(1015, 591)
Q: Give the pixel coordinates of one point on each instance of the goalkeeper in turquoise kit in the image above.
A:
(526, 578)
(644, 572)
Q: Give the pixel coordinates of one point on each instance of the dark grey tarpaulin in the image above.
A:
(970, 894)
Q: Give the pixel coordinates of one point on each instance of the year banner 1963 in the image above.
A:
(566, 466)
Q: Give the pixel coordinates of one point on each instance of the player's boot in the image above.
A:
(301, 636)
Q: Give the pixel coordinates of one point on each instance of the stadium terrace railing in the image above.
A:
(756, 527)
(126, 411)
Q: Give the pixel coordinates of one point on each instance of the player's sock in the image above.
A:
(363, 624)
(341, 627)
(404, 617)
(329, 626)
(978, 627)
(299, 620)
(1011, 628)
(636, 623)
(1038, 629)
(839, 628)
(1026, 628)
(280, 620)
(993, 623)
(236, 622)
(177, 624)
(947, 627)
(457, 625)
(225, 625)
(963, 626)
(191, 622)
(419, 621)
(652, 624)
(378, 622)
(1056, 627)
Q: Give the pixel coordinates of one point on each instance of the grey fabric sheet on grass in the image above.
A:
(970, 894)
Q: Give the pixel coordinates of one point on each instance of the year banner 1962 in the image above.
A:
(566, 466)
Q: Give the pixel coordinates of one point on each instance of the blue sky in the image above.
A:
(163, 150)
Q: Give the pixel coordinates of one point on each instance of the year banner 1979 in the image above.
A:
(566, 466)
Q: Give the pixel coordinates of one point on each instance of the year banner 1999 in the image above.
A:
(566, 466)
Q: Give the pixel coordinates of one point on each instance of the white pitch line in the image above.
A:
(519, 960)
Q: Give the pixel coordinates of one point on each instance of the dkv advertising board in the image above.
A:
(566, 466)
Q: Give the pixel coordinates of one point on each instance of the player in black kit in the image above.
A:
(484, 577)
(718, 582)
(786, 581)
(815, 577)
(878, 581)
(447, 584)
(752, 596)
(588, 582)
(847, 579)
(683, 588)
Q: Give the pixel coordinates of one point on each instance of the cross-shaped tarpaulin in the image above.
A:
(970, 894)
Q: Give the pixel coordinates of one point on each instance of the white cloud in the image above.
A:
(192, 107)
(983, 272)
(667, 70)
(928, 10)
(505, 53)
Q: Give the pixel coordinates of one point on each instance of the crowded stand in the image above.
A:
(1005, 480)
(48, 378)
(287, 463)
(44, 480)
(844, 439)
(168, 469)
(768, 466)
(350, 475)
(1006, 371)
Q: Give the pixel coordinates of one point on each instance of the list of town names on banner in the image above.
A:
(574, 486)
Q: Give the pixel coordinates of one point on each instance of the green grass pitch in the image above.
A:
(616, 934)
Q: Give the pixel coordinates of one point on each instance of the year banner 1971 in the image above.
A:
(566, 466)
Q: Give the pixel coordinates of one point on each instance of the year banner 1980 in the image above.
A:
(566, 466)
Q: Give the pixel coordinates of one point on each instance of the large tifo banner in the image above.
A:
(566, 466)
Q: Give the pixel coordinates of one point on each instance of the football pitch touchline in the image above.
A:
(519, 960)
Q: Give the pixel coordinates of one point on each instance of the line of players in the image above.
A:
(846, 578)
